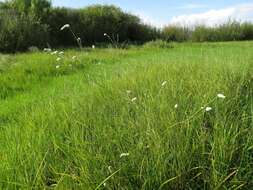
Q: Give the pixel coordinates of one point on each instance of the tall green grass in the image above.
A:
(68, 128)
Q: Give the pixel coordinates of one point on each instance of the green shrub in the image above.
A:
(203, 33)
(92, 22)
(19, 32)
(230, 31)
(176, 33)
(247, 30)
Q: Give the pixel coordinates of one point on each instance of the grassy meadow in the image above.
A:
(141, 118)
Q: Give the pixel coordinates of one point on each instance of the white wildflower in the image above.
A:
(176, 106)
(55, 52)
(58, 59)
(134, 99)
(221, 96)
(208, 109)
(65, 26)
(164, 83)
(124, 155)
(57, 66)
(105, 34)
(93, 46)
(47, 50)
(61, 53)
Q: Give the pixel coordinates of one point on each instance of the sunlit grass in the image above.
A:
(143, 118)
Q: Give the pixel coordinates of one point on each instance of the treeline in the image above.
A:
(229, 31)
(26, 23)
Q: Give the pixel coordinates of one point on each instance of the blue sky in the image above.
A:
(162, 12)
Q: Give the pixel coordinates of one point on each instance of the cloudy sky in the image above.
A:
(162, 12)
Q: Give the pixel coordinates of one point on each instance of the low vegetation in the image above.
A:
(147, 117)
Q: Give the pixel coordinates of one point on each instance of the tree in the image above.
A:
(36, 7)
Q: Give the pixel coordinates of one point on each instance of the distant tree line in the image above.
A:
(230, 31)
(26, 23)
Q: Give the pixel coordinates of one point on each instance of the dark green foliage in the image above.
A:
(89, 24)
(92, 22)
(176, 33)
(19, 32)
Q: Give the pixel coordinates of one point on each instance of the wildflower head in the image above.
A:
(128, 91)
(55, 52)
(124, 155)
(176, 106)
(65, 26)
(47, 50)
(208, 109)
(93, 46)
(221, 96)
(134, 99)
(164, 83)
(57, 66)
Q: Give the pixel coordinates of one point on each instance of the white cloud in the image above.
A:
(149, 20)
(192, 6)
(241, 12)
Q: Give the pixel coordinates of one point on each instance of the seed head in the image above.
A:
(65, 26)
(134, 99)
(124, 155)
(47, 49)
(164, 83)
(55, 52)
(208, 109)
(221, 96)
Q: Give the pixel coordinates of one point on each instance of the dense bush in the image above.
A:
(176, 33)
(19, 32)
(92, 22)
(229, 31)
(31, 22)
